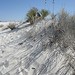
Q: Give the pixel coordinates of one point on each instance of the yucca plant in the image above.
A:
(44, 13)
(31, 15)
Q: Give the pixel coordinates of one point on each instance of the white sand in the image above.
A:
(22, 52)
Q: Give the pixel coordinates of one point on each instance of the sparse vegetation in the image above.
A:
(31, 15)
(44, 13)
(66, 24)
(63, 17)
(11, 26)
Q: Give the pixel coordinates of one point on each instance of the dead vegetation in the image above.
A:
(12, 26)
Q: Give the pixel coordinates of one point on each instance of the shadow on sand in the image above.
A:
(17, 29)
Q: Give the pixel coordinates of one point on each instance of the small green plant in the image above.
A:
(44, 13)
(31, 15)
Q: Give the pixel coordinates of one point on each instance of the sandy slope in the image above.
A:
(26, 51)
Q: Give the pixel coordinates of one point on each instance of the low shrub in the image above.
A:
(66, 23)
(12, 26)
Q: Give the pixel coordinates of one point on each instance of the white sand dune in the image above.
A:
(26, 51)
(7, 23)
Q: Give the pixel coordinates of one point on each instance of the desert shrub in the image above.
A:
(1, 25)
(44, 13)
(66, 23)
(11, 26)
(62, 19)
(31, 15)
(63, 15)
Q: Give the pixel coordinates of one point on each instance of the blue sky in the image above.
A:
(15, 10)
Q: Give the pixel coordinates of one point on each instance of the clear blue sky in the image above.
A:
(15, 10)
